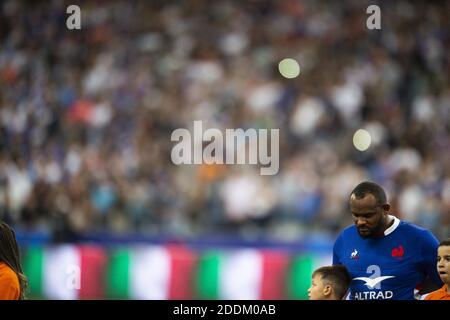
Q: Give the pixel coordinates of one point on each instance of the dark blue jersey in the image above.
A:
(390, 267)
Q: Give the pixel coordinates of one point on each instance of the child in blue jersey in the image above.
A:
(386, 258)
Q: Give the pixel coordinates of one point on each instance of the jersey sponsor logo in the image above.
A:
(354, 255)
(373, 295)
(373, 282)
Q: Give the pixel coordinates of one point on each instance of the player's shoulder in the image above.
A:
(413, 229)
(417, 235)
(350, 230)
(347, 232)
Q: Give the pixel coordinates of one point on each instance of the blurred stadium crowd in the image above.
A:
(86, 115)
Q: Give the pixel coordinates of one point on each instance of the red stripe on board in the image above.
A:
(93, 263)
(274, 275)
(181, 282)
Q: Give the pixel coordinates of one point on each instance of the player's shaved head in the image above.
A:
(367, 187)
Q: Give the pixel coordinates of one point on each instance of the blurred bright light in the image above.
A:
(289, 68)
(362, 140)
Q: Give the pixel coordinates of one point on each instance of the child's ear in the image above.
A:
(327, 290)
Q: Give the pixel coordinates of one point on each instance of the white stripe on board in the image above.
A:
(62, 273)
(241, 275)
(150, 273)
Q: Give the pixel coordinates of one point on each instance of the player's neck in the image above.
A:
(389, 221)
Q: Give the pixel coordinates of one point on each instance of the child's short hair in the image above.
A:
(337, 276)
(445, 242)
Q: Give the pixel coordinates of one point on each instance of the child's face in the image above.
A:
(443, 264)
(316, 291)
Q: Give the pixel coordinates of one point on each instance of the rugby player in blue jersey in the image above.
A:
(387, 258)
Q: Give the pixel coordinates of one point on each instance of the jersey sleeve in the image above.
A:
(337, 250)
(428, 252)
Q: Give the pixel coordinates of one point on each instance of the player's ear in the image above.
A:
(386, 207)
(327, 290)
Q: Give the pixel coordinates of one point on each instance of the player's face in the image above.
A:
(367, 215)
(316, 291)
(443, 264)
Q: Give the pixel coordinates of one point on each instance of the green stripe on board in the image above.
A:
(299, 279)
(208, 276)
(33, 264)
(118, 275)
